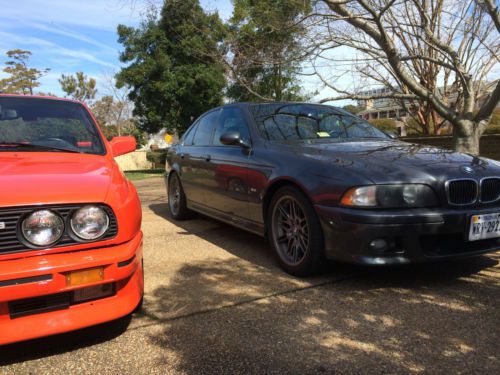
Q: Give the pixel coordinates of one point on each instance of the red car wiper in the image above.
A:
(37, 146)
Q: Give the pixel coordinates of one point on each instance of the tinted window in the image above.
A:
(231, 119)
(187, 139)
(302, 121)
(205, 128)
(47, 122)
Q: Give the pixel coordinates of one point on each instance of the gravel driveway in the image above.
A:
(216, 303)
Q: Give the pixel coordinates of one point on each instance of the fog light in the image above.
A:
(379, 244)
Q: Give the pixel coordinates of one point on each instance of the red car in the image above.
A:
(70, 222)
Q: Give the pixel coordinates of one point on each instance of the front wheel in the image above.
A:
(177, 199)
(295, 232)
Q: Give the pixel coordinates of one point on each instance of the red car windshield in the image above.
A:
(37, 124)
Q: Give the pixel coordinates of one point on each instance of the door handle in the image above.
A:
(208, 158)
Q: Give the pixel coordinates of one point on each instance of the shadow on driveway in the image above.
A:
(62, 343)
(434, 318)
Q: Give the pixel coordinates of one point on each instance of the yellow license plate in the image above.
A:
(86, 276)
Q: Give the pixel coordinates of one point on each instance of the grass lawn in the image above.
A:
(142, 174)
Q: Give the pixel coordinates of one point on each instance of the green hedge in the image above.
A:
(489, 144)
(158, 157)
(384, 124)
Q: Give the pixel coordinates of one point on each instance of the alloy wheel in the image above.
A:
(290, 230)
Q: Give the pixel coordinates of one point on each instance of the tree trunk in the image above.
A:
(466, 137)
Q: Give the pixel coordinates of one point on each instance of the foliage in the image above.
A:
(79, 87)
(140, 136)
(265, 42)
(142, 174)
(494, 126)
(352, 108)
(170, 71)
(384, 124)
(158, 157)
(22, 79)
(114, 113)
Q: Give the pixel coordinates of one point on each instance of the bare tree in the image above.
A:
(114, 108)
(437, 53)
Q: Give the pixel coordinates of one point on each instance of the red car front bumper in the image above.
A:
(45, 275)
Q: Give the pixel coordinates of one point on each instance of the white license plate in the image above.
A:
(484, 226)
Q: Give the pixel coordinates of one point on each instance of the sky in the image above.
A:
(73, 35)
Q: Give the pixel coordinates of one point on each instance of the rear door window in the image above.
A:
(205, 129)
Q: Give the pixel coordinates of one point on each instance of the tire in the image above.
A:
(177, 199)
(295, 232)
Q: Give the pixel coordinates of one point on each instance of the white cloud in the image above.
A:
(68, 33)
(52, 49)
(97, 14)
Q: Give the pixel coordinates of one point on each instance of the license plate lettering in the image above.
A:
(484, 227)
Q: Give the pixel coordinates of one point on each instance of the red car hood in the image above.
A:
(28, 178)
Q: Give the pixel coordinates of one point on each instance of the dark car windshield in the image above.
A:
(278, 122)
(37, 124)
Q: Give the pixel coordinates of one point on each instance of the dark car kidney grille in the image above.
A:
(11, 217)
(462, 192)
(490, 190)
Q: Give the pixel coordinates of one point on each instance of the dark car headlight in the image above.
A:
(42, 228)
(89, 222)
(390, 196)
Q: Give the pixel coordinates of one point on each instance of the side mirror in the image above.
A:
(233, 139)
(122, 145)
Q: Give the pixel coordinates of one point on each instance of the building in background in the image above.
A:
(402, 110)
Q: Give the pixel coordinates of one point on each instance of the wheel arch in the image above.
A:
(174, 169)
(273, 188)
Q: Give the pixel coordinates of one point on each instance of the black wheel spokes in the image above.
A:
(291, 230)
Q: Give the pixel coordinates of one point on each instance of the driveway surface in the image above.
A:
(216, 303)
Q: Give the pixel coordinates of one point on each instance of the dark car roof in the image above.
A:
(248, 104)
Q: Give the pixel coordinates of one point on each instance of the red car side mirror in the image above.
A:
(122, 145)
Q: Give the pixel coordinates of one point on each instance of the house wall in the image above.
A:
(134, 161)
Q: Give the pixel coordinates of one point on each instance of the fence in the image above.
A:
(134, 161)
(489, 145)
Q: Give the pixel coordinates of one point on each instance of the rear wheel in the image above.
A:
(295, 232)
(177, 199)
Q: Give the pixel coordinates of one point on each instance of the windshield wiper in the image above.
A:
(35, 146)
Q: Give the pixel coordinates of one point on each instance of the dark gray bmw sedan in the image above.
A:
(321, 183)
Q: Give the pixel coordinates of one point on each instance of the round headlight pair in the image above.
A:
(45, 227)
(390, 196)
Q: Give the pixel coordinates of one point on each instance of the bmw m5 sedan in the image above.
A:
(321, 184)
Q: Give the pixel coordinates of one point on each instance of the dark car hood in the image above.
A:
(30, 178)
(396, 161)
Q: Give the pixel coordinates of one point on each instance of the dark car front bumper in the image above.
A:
(415, 235)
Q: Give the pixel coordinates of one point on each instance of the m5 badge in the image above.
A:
(2, 225)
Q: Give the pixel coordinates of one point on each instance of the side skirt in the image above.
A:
(239, 222)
